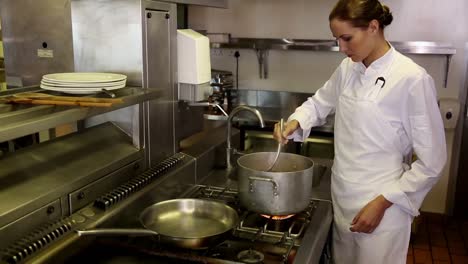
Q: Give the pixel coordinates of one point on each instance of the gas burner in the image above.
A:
(250, 256)
(278, 217)
(287, 229)
(257, 238)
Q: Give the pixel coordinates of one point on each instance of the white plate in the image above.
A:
(80, 90)
(76, 92)
(82, 85)
(83, 88)
(84, 77)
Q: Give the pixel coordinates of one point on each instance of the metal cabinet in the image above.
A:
(83, 196)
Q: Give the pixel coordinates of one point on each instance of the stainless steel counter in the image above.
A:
(124, 213)
(48, 181)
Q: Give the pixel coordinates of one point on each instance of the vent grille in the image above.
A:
(36, 240)
(118, 194)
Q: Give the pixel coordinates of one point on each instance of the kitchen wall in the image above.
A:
(306, 71)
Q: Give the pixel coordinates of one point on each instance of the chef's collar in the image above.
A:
(376, 66)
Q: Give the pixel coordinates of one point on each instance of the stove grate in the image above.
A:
(255, 227)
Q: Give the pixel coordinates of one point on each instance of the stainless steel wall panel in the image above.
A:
(247, 97)
(457, 201)
(34, 43)
(107, 37)
(160, 59)
(133, 37)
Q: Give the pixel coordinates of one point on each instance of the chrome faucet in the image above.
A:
(235, 111)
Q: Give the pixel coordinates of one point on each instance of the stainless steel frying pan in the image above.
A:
(187, 223)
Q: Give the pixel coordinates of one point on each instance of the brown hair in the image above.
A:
(361, 12)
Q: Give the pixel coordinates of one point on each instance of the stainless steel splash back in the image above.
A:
(160, 59)
(136, 38)
(107, 36)
(37, 39)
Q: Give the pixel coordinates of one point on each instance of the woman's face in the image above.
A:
(357, 43)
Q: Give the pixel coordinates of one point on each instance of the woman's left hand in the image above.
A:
(367, 220)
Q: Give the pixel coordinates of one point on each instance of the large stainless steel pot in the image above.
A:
(187, 223)
(284, 190)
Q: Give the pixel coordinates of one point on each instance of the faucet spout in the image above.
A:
(235, 111)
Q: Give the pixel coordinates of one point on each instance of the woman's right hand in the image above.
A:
(289, 128)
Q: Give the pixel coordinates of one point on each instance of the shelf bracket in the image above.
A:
(447, 67)
(262, 56)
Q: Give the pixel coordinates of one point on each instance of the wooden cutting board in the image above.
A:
(47, 99)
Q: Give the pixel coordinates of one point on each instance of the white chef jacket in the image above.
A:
(408, 101)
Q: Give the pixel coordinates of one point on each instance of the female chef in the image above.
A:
(385, 109)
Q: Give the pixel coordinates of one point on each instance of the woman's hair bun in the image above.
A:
(361, 12)
(387, 16)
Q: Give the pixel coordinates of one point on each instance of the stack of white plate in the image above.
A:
(83, 82)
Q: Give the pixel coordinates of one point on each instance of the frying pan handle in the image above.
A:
(270, 180)
(117, 232)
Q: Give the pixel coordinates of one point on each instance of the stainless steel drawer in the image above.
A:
(83, 196)
(49, 213)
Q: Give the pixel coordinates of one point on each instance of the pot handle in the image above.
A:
(116, 232)
(270, 180)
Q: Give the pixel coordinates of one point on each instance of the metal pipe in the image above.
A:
(209, 104)
(235, 111)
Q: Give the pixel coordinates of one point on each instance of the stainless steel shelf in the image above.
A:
(46, 172)
(262, 46)
(408, 47)
(21, 120)
(208, 3)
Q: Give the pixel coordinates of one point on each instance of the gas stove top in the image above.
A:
(300, 238)
(256, 239)
(260, 228)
